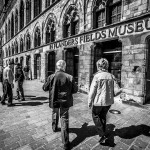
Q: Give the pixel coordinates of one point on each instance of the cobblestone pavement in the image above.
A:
(27, 125)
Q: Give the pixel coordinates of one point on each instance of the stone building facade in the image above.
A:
(40, 32)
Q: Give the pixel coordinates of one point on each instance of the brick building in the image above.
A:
(40, 32)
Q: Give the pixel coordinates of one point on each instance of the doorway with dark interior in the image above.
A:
(112, 51)
(72, 62)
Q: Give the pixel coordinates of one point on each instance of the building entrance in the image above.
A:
(51, 63)
(37, 66)
(21, 61)
(112, 51)
(72, 62)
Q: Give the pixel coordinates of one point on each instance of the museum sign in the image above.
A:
(101, 34)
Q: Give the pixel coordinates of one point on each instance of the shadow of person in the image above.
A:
(28, 104)
(127, 133)
(82, 133)
(133, 131)
(39, 98)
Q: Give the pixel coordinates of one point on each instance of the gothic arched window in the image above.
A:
(9, 52)
(16, 47)
(50, 31)
(28, 11)
(37, 7)
(71, 22)
(21, 45)
(16, 21)
(114, 11)
(12, 49)
(37, 37)
(47, 3)
(21, 15)
(99, 14)
(28, 40)
(105, 13)
(6, 51)
(12, 26)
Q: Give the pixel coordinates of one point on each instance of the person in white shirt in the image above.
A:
(101, 96)
(8, 85)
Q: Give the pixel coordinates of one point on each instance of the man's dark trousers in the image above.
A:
(99, 117)
(64, 117)
(7, 91)
(20, 89)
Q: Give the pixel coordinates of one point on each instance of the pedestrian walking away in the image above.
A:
(101, 96)
(8, 85)
(19, 78)
(61, 86)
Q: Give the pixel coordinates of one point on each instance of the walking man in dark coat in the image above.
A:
(19, 78)
(61, 86)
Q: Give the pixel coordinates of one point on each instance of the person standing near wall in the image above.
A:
(19, 78)
(61, 86)
(101, 96)
(8, 85)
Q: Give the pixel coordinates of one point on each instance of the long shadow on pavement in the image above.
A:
(28, 104)
(82, 133)
(126, 133)
(30, 96)
(39, 98)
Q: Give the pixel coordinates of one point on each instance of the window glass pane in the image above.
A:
(115, 13)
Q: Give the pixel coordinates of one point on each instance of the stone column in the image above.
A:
(32, 66)
(133, 69)
(84, 67)
(43, 67)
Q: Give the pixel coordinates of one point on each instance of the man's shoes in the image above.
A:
(17, 98)
(103, 139)
(23, 99)
(3, 103)
(54, 127)
(66, 146)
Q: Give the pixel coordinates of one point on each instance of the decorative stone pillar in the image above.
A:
(32, 66)
(84, 67)
(43, 66)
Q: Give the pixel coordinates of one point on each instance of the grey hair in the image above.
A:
(61, 65)
(102, 64)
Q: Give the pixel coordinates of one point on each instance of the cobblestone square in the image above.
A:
(27, 125)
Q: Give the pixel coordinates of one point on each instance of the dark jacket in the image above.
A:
(26, 69)
(61, 86)
(19, 75)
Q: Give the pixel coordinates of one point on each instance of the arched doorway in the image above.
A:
(37, 66)
(51, 63)
(72, 62)
(147, 94)
(16, 60)
(28, 63)
(22, 62)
